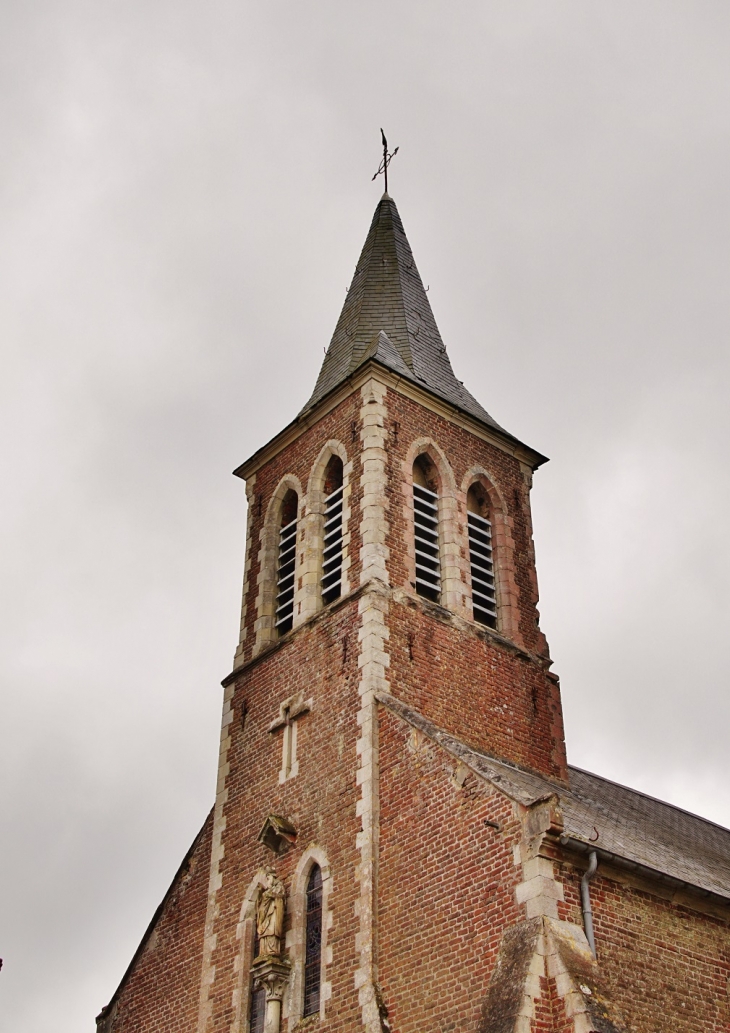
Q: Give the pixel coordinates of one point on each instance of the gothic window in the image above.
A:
(426, 529)
(257, 1010)
(481, 559)
(313, 952)
(332, 555)
(284, 613)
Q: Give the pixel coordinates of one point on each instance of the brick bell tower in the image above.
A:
(389, 611)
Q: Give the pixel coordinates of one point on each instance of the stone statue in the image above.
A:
(270, 915)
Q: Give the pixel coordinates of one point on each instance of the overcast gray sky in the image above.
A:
(185, 188)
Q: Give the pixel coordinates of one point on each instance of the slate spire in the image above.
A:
(387, 316)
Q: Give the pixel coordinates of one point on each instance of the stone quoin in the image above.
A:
(397, 842)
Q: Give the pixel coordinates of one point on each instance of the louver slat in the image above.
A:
(484, 599)
(284, 616)
(428, 566)
(332, 556)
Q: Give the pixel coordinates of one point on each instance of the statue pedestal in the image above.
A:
(271, 972)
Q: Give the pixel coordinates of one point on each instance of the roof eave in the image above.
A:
(646, 871)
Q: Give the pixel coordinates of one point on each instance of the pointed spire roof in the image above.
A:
(387, 317)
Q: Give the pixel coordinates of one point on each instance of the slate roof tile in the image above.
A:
(387, 295)
(648, 831)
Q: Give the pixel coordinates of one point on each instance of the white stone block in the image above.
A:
(536, 867)
(542, 906)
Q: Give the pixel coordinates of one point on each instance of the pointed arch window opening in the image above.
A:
(331, 582)
(426, 530)
(481, 560)
(313, 939)
(284, 613)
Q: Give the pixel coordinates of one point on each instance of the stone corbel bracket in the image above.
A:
(271, 973)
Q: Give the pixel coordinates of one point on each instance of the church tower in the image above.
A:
(397, 844)
(389, 597)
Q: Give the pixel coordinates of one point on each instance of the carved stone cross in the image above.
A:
(289, 711)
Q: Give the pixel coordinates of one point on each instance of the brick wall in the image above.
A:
(667, 965)
(320, 661)
(446, 883)
(493, 698)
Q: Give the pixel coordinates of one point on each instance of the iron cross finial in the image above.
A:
(387, 158)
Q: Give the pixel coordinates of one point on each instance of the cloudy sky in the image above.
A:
(185, 188)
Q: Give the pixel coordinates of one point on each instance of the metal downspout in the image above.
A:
(585, 900)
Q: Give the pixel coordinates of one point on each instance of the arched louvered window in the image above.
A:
(426, 528)
(481, 559)
(313, 955)
(284, 614)
(332, 556)
(257, 1009)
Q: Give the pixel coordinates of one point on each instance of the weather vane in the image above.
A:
(387, 158)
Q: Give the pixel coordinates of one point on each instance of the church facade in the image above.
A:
(398, 843)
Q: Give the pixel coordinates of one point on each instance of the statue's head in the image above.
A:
(270, 876)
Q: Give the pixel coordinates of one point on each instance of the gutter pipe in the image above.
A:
(585, 900)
